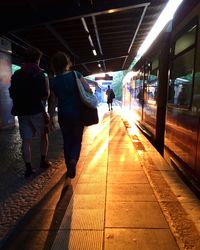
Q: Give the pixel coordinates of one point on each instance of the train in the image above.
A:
(164, 93)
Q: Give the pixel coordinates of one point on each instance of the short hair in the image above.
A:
(60, 62)
(32, 55)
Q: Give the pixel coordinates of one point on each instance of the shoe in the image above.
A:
(71, 172)
(28, 172)
(45, 164)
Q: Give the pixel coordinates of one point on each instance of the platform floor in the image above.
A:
(125, 196)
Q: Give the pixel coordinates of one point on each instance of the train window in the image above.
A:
(180, 87)
(182, 68)
(152, 85)
(154, 64)
(186, 40)
(152, 82)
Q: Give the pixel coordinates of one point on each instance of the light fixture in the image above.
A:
(84, 25)
(87, 30)
(94, 52)
(111, 11)
(90, 40)
(99, 65)
(166, 15)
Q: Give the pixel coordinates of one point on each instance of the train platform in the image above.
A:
(125, 196)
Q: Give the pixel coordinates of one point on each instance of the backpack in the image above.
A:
(112, 94)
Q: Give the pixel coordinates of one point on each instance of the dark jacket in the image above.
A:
(28, 89)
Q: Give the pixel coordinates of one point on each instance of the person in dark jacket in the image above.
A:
(29, 89)
(64, 93)
(110, 96)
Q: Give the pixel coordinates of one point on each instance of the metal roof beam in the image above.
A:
(136, 32)
(97, 34)
(60, 39)
(98, 39)
(51, 29)
(101, 59)
(86, 68)
(58, 14)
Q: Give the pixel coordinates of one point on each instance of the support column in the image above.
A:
(6, 119)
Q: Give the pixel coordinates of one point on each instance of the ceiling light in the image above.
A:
(84, 24)
(94, 52)
(111, 11)
(166, 15)
(86, 29)
(90, 40)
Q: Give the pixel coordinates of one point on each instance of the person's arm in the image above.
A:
(46, 90)
(52, 103)
(85, 85)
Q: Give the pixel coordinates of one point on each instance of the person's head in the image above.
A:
(108, 86)
(60, 62)
(33, 55)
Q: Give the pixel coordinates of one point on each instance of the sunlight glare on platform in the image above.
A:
(101, 141)
(131, 118)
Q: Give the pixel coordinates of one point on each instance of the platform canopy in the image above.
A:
(99, 35)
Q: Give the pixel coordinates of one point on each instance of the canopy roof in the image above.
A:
(115, 29)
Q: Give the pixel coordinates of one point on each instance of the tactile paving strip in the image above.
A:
(75, 239)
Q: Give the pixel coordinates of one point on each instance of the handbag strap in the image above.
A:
(75, 78)
(75, 74)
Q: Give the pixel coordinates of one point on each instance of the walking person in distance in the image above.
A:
(110, 96)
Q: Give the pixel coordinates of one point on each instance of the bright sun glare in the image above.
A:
(166, 15)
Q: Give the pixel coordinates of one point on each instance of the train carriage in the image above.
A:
(168, 87)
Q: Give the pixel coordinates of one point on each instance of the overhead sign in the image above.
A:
(106, 77)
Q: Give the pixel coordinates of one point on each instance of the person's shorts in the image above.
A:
(31, 126)
(110, 100)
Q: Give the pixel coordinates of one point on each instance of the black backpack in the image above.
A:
(112, 94)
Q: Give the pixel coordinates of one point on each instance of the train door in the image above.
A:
(150, 89)
(155, 81)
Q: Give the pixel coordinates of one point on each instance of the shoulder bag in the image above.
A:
(89, 113)
(88, 98)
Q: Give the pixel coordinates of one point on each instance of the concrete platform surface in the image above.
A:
(125, 196)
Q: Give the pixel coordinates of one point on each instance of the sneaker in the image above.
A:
(45, 164)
